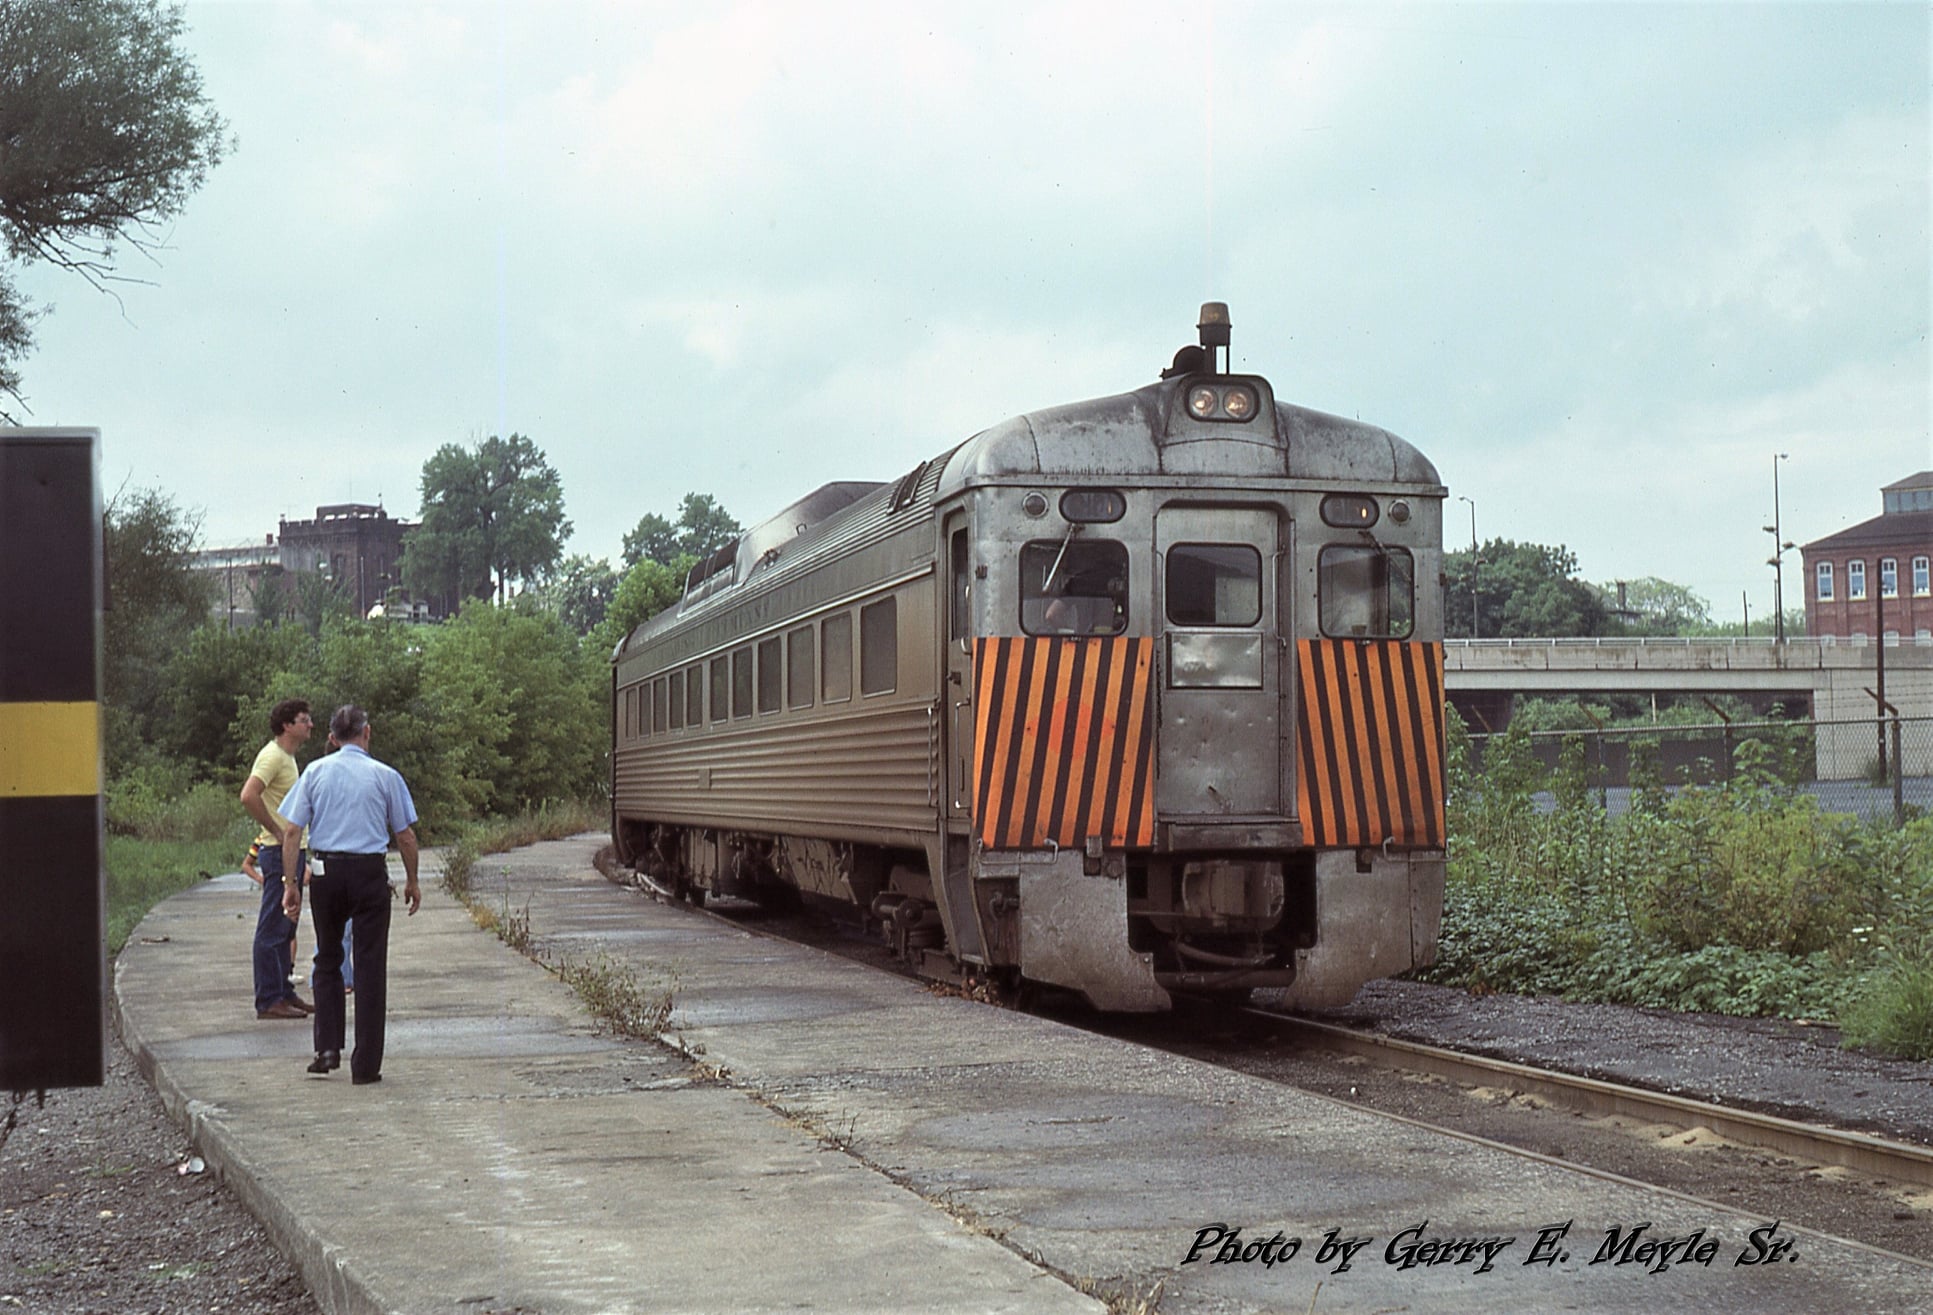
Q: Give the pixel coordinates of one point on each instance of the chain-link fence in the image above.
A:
(1876, 768)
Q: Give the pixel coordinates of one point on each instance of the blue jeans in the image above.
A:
(273, 931)
(348, 959)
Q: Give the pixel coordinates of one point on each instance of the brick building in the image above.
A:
(1884, 564)
(359, 546)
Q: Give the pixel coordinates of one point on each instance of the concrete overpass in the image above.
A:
(1485, 675)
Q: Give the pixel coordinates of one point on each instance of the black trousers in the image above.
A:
(352, 888)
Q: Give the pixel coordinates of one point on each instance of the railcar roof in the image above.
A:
(1125, 437)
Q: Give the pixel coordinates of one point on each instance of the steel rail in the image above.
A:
(1878, 1157)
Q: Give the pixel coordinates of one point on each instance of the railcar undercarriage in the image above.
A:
(1129, 930)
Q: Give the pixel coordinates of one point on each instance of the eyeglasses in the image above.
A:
(305, 721)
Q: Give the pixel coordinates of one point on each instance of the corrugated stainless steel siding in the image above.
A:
(872, 769)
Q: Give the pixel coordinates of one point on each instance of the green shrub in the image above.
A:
(1755, 869)
(1893, 1011)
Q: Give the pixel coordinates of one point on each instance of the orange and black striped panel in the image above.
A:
(1370, 751)
(1063, 744)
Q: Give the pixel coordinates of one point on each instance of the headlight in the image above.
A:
(1236, 402)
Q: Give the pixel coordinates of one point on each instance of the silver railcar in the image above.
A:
(1137, 696)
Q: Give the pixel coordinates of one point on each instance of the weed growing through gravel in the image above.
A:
(613, 993)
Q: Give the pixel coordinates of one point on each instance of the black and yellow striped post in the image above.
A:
(53, 929)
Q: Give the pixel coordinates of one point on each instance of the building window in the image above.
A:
(1824, 591)
(1920, 582)
(1855, 580)
(1888, 577)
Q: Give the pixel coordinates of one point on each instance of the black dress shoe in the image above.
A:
(326, 1061)
(359, 1082)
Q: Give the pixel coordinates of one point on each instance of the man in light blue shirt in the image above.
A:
(352, 806)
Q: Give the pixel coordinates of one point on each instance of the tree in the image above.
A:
(646, 590)
(520, 716)
(1650, 606)
(1523, 590)
(495, 511)
(703, 527)
(578, 593)
(154, 602)
(104, 134)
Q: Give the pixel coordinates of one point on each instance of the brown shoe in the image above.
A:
(280, 1009)
(301, 1004)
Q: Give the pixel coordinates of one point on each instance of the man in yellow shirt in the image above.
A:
(269, 782)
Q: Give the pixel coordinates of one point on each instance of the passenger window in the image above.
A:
(1074, 586)
(677, 700)
(798, 668)
(879, 647)
(742, 682)
(721, 690)
(1366, 590)
(836, 671)
(771, 675)
(657, 706)
(695, 695)
(1214, 584)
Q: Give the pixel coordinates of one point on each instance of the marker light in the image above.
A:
(1349, 510)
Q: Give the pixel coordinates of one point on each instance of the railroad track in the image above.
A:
(1863, 1153)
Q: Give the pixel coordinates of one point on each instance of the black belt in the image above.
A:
(331, 855)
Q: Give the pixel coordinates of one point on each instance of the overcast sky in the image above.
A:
(1600, 261)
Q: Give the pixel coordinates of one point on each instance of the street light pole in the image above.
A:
(1474, 560)
(1779, 548)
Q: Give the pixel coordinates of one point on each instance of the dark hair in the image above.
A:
(284, 713)
(348, 723)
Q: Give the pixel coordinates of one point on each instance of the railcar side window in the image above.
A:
(798, 668)
(1366, 590)
(771, 675)
(879, 647)
(657, 706)
(960, 624)
(695, 695)
(1074, 586)
(677, 700)
(742, 682)
(1214, 584)
(836, 671)
(721, 690)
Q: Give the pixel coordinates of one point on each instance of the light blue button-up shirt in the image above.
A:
(351, 803)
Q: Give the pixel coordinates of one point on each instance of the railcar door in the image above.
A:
(1220, 659)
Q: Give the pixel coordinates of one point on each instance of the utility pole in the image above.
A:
(1779, 549)
(1475, 561)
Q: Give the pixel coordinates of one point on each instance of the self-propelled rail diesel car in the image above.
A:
(1138, 696)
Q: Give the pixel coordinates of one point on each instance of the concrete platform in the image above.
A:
(849, 1141)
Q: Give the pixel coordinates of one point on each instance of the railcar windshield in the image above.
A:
(1074, 586)
(1367, 590)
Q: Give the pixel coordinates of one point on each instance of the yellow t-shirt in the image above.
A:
(277, 770)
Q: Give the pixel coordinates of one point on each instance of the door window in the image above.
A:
(1214, 584)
